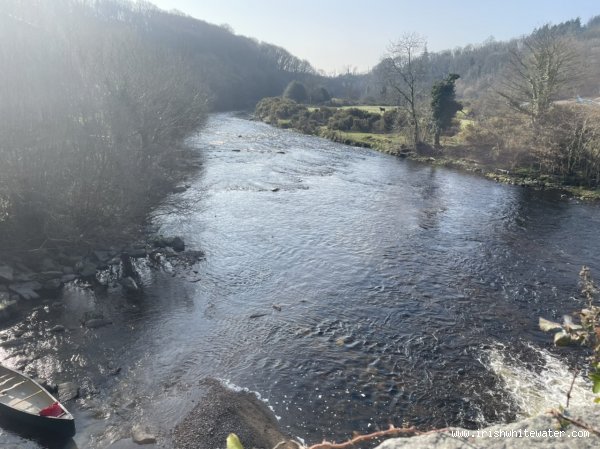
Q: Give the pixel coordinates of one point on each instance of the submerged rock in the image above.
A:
(26, 290)
(6, 273)
(129, 285)
(68, 391)
(95, 323)
(88, 270)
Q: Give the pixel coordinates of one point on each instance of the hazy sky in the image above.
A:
(335, 34)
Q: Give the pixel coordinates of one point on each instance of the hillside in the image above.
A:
(96, 98)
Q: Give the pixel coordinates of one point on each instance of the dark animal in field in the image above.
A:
(381, 109)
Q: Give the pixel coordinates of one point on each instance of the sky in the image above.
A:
(340, 35)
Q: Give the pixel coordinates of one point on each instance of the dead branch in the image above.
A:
(558, 415)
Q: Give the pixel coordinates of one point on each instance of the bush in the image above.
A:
(296, 91)
(354, 119)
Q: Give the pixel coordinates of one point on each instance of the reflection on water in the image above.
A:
(349, 288)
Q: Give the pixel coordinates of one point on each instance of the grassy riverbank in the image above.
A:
(470, 146)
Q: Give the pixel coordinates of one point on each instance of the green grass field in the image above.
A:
(373, 109)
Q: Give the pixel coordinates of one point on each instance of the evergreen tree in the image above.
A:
(444, 105)
(296, 91)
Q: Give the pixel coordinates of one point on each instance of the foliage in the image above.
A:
(296, 91)
(281, 111)
(353, 119)
(586, 332)
(444, 105)
(319, 95)
(233, 442)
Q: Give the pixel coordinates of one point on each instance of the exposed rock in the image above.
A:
(510, 436)
(179, 189)
(177, 244)
(129, 285)
(26, 290)
(6, 273)
(275, 189)
(7, 306)
(137, 253)
(128, 270)
(141, 435)
(222, 411)
(67, 391)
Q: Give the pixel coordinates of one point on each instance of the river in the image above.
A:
(349, 288)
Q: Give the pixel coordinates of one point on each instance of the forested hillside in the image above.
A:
(481, 66)
(96, 96)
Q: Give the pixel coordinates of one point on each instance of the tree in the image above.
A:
(538, 71)
(402, 72)
(296, 91)
(444, 105)
(319, 95)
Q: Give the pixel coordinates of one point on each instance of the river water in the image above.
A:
(349, 288)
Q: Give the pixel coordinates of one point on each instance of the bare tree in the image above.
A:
(539, 68)
(402, 73)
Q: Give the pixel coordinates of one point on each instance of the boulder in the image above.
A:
(137, 253)
(141, 435)
(177, 244)
(538, 432)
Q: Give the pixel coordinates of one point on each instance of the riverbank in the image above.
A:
(363, 126)
(222, 411)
